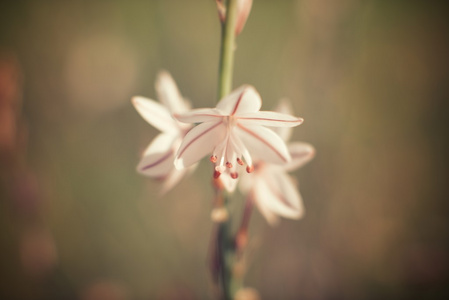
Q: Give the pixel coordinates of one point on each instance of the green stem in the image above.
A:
(227, 50)
(226, 243)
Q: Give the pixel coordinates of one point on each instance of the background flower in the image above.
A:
(158, 158)
(273, 191)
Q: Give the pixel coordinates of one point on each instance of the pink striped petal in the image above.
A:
(264, 144)
(198, 142)
(269, 118)
(278, 194)
(169, 94)
(157, 160)
(245, 99)
(199, 115)
(301, 154)
(155, 114)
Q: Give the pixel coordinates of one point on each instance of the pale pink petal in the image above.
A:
(228, 182)
(245, 99)
(284, 107)
(157, 160)
(247, 186)
(169, 94)
(198, 142)
(199, 115)
(270, 216)
(174, 177)
(243, 10)
(269, 118)
(155, 114)
(301, 154)
(278, 194)
(264, 144)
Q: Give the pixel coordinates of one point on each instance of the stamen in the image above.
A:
(250, 169)
(234, 175)
(216, 174)
(239, 161)
(228, 165)
(213, 159)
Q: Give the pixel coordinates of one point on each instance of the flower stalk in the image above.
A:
(227, 50)
(225, 242)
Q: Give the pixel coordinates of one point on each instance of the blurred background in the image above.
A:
(369, 77)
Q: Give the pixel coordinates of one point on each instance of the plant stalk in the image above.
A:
(227, 50)
(225, 241)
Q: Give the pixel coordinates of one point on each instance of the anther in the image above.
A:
(234, 175)
(249, 169)
(213, 159)
(216, 174)
(239, 161)
(228, 165)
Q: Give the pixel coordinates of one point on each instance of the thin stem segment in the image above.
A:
(227, 50)
(225, 244)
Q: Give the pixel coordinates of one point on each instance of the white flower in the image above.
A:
(157, 160)
(271, 188)
(233, 132)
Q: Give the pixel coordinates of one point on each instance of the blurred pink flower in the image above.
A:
(233, 131)
(157, 160)
(270, 187)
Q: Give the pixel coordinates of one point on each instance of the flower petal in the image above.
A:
(199, 115)
(169, 94)
(157, 160)
(264, 144)
(278, 194)
(269, 215)
(228, 182)
(174, 177)
(301, 153)
(155, 114)
(245, 99)
(198, 142)
(269, 118)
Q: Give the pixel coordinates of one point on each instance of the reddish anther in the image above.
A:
(213, 159)
(234, 175)
(239, 161)
(249, 169)
(228, 165)
(216, 174)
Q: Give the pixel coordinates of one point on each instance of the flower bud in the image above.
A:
(221, 10)
(243, 10)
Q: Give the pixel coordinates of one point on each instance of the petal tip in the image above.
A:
(179, 163)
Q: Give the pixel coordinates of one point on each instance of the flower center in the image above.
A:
(229, 152)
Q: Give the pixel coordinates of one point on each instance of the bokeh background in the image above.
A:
(369, 77)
